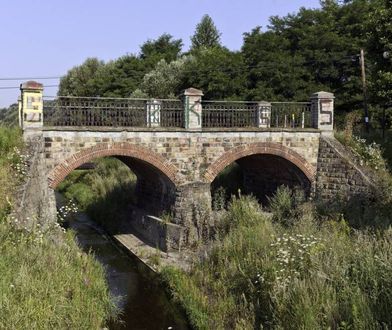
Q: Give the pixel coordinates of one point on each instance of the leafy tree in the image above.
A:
(380, 49)
(79, 81)
(164, 80)
(206, 34)
(218, 72)
(119, 78)
(312, 50)
(165, 47)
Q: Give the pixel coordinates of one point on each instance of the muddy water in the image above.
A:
(136, 289)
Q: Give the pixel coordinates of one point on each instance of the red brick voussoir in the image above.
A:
(259, 148)
(115, 149)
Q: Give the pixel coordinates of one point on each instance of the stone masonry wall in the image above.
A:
(36, 200)
(188, 154)
(337, 173)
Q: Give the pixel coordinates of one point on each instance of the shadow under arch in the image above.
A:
(264, 166)
(156, 176)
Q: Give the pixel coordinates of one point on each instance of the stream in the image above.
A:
(136, 289)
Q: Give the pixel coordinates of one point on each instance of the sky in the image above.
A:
(46, 38)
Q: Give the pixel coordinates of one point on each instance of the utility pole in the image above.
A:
(364, 87)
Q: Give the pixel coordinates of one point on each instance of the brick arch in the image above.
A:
(259, 148)
(115, 149)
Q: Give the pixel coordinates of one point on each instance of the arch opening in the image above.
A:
(130, 188)
(259, 175)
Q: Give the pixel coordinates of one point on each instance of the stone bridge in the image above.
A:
(177, 148)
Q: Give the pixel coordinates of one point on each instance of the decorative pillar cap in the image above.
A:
(32, 85)
(322, 95)
(193, 92)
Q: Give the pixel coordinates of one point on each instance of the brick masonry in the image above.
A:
(175, 168)
(337, 173)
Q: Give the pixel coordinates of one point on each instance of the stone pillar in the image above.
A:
(193, 108)
(322, 107)
(31, 105)
(153, 113)
(192, 210)
(264, 114)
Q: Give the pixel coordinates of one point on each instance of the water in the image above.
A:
(143, 301)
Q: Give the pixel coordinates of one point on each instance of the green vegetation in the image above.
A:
(46, 281)
(102, 192)
(305, 274)
(288, 60)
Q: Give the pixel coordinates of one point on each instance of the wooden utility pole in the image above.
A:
(364, 87)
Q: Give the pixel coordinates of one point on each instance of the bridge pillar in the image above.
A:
(193, 108)
(31, 105)
(192, 211)
(322, 107)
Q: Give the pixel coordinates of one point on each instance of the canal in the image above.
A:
(137, 290)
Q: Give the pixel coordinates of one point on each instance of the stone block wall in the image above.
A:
(337, 173)
(36, 201)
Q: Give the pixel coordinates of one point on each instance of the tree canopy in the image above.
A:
(294, 56)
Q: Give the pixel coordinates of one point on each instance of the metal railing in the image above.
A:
(127, 112)
(256, 114)
(112, 112)
(172, 113)
(291, 115)
(229, 114)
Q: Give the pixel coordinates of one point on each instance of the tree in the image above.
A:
(206, 34)
(218, 72)
(119, 78)
(312, 50)
(380, 50)
(164, 80)
(165, 47)
(79, 81)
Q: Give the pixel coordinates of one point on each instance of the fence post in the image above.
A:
(153, 113)
(264, 114)
(322, 108)
(31, 105)
(193, 108)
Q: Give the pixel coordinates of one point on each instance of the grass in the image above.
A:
(46, 281)
(302, 274)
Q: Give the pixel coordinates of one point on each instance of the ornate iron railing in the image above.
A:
(229, 114)
(112, 112)
(172, 113)
(291, 115)
(126, 112)
(256, 114)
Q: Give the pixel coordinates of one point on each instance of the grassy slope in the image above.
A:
(306, 276)
(46, 281)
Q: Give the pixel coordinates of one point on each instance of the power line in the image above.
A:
(31, 78)
(17, 87)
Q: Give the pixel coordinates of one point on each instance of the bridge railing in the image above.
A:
(291, 115)
(112, 112)
(229, 114)
(189, 113)
(256, 114)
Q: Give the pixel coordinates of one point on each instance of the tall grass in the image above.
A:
(46, 281)
(103, 192)
(298, 275)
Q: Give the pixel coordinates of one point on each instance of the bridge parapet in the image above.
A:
(188, 113)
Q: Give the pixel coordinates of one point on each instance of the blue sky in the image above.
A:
(43, 38)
